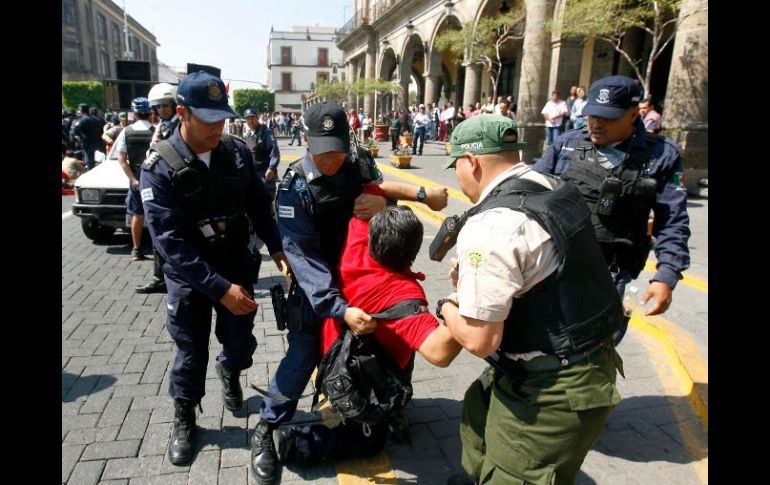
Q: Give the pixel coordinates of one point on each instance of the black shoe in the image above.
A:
(231, 387)
(154, 286)
(182, 445)
(285, 443)
(264, 460)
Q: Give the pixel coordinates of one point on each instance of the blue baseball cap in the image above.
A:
(206, 97)
(612, 96)
(249, 112)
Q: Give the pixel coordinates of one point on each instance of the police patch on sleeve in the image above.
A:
(154, 156)
(286, 211)
(147, 194)
(476, 257)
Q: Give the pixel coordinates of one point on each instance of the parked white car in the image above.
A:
(100, 199)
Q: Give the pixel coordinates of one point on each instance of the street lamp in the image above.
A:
(448, 7)
(409, 26)
(385, 42)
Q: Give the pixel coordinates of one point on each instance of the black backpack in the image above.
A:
(359, 379)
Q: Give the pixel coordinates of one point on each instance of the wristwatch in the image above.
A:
(441, 304)
(421, 194)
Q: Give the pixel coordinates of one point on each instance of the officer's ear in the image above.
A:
(180, 112)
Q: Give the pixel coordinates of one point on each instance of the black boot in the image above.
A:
(154, 286)
(264, 460)
(231, 387)
(182, 445)
(285, 443)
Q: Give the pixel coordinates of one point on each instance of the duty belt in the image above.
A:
(551, 362)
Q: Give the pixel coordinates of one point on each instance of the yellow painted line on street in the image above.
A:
(397, 172)
(290, 158)
(375, 469)
(436, 218)
(694, 437)
(689, 280)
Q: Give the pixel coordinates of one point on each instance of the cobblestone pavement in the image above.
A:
(117, 416)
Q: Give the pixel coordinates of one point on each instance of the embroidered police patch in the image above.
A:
(328, 123)
(476, 257)
(286, 211)
(215, 94)
(604, 96)
(154, 157)
(147, 194)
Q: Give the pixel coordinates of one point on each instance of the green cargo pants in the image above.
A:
(537, 428)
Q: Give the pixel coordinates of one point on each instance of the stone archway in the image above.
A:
(388, 70)
(442, 76)
(412, 59)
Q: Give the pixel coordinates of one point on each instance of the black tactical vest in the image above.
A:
(259, 150)
(623, 235)
(137, 143)
(576, 308)
(334, 198)
(167, 127)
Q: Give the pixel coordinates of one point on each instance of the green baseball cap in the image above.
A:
(483, 134)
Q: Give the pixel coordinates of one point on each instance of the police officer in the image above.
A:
(316, 198)
(86, 131)
(534, 298)
(131, 146)
(202, 199)
(66, 124)
(263, 148)
(623, 172)
(162, 98)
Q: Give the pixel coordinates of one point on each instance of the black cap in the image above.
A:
(612, 96)
(206, 96)
(249, 112)
(83, 107)
(327, 128)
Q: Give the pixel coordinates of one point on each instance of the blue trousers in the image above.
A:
(551, 133)
(419, 134)
(188, 322)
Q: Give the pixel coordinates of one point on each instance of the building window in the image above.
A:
(101, 25)
(322, 77)
(105, 65)
(286, 81)
(68, 11)
(71, 57)
(286, 56)
(323, 56)
(115, 37)
(145, 52)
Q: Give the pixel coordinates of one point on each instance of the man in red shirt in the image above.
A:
(375, 275)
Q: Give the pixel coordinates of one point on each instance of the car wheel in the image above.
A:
(95, 231)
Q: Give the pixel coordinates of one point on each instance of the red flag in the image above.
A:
(227, 88)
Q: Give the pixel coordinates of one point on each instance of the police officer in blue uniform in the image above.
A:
(202, 199)
(264, 150)
(314, 204)
(162, 98)
(623, 172)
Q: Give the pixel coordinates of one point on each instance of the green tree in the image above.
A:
(481, 43)
(611, 20)
(332, 91)
(362, 87)
(75, 92)
(244, 99)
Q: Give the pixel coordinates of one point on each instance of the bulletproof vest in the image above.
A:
(358, 377)
(622, 234)
(137, 143)
(211, 196)
(575, 308)
(334, 198)
(259, 149)
(167, 127)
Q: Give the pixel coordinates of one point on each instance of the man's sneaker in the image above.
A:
(231, 387)
(154, 286)
(137, 254)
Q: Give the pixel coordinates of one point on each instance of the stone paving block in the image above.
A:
(135, 424)
(234, 476)
(111, 449)
(153, 402)
(164, 414)
(156, 368)
(137, 390)
(70, 408)
(205, 468)
(235, 457)
(156, 439)
(87, 473)
(165, 479)
(146, 466)
(69, 457)
(123, 353)
(137, 363)
(79, 421)
(123, 481)
(95, 360)
(86, 436)
(224, 439)
(115, 411)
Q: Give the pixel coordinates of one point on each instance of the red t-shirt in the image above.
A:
(354, 122)
(367, 285)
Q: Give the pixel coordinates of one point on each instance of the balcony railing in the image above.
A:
(362, 17)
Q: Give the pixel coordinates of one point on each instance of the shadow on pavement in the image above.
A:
(73, 386)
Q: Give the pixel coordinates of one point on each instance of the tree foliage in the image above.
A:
(75, 92)
(255, 99)
(481, 43)
(611, 20)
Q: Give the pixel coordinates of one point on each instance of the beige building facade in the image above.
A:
(93, 39)
(396, 40)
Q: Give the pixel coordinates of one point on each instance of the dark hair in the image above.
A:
(395, 237)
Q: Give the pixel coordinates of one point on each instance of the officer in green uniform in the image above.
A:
(534, 299)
